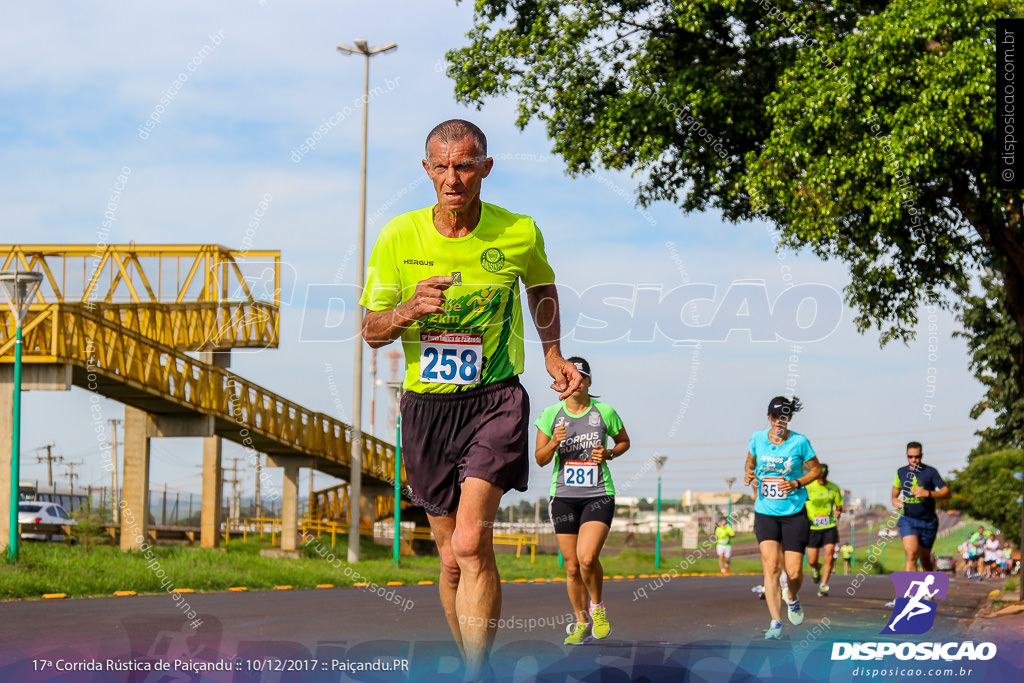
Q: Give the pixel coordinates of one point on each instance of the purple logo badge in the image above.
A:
(914, 612)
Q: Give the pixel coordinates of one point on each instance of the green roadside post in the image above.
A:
(395, 394)
(19, 287)
(659, 460)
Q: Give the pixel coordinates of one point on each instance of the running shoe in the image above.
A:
(601, 626)
(816, 575)
(795, 612)
(579, 635)
(774, 631)
(823, 590)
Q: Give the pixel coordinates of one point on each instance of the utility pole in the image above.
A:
(259, 472)
(235, 500)
(72, 475)
(115, 499)
(50, 459)
(231, 505)
(373, 392)
(309, 503)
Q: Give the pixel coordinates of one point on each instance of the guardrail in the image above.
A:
(47, 530)
(518, 540)
(259, 524)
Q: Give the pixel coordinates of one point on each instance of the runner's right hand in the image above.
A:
(558, 435)
(427, 299)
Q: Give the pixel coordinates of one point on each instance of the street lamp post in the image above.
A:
(729, 481)
(356, 476)
(659, 460)
(19, 287)
(395, 392)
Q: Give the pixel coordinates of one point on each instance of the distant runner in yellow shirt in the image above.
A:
(724, 534)
(846, 550)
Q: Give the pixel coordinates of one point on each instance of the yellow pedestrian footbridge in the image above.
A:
(152, 327)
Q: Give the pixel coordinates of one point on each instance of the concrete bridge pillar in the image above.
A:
(368, 505)
(289, 497)
(212, 513)
(139, 428)
(135, 479)
(34, 376)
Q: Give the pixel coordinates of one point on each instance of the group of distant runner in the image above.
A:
(983, 556)
(445, 280)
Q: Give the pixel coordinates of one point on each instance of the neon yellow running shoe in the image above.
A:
(601, 626)
(580, 634)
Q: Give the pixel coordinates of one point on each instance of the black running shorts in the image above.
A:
(478, 433)
(819, 538)
(791, 530)
(568, 514)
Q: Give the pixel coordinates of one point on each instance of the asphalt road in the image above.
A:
(711, 626)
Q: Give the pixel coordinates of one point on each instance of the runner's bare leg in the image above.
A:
(573, 580)
(478, 599)
(592, 538)
(448, 582)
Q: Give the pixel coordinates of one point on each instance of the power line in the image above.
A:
(739, 463)
(698, 458)
(743, 442)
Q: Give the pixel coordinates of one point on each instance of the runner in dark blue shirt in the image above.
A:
(914, 491)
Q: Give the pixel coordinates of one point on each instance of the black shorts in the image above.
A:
(568, 514)
(478, 433)
(791, 531)
(819, 538)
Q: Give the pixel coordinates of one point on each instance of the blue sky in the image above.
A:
(77, 83)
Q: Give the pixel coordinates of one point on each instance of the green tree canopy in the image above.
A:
(987, 490)
(991, 338)
(863, 130)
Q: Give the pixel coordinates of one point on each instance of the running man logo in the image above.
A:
(914, 613)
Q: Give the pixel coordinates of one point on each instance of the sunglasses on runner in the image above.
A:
(913, 457)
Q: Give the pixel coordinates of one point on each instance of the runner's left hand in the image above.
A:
(600, 454)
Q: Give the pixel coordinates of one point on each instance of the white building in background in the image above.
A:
(718, 499)
(630, 518)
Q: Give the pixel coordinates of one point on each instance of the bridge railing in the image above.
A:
(190, 297)
(107, 350)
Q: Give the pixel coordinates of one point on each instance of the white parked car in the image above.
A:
(41, 512)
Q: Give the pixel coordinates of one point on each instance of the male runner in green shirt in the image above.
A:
(824, 507)
(446, 280)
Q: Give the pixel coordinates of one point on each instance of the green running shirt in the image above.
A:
(820, 502)
(573, 477)
(479, 338)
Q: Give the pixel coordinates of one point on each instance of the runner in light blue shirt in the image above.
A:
(780, 463)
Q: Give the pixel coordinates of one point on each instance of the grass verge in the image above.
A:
(54, 568)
